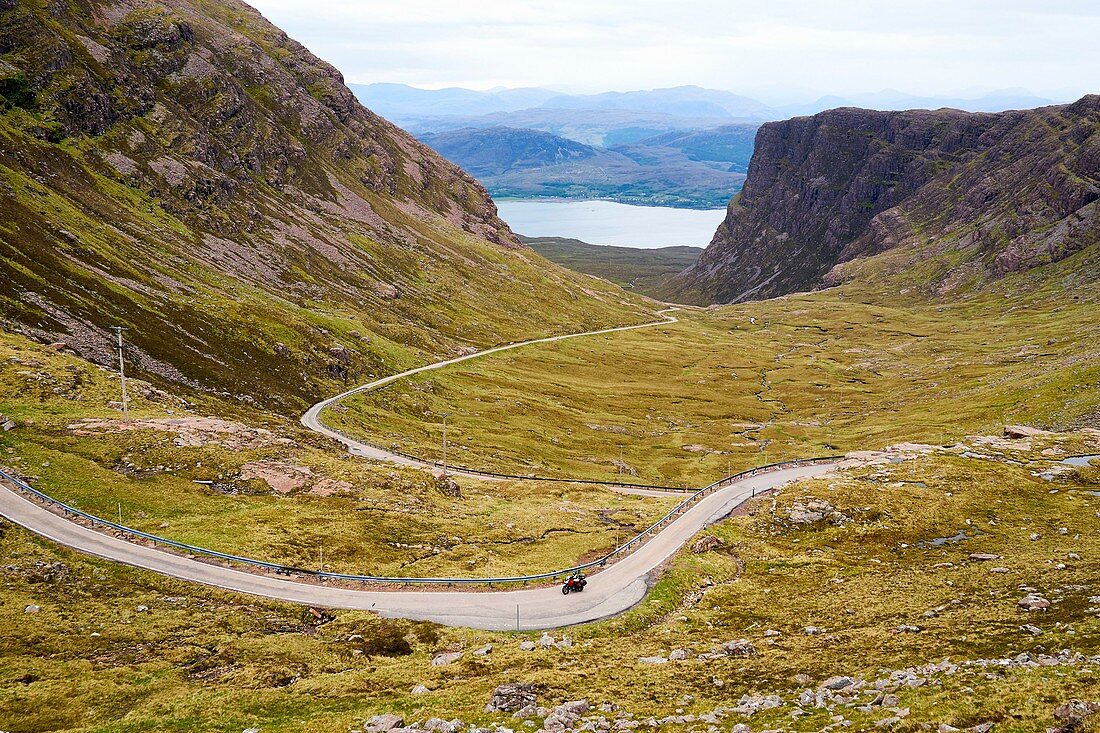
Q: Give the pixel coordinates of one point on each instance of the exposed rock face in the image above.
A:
(981, 195)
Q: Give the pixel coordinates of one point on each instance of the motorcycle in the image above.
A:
(573, 584)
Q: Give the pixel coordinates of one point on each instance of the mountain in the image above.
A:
(960, 199)
(730, 144)
(683, 101)
(186, 170)
(400, 101)
(892, 99)
(497, 150)
(600, 127)
(525, 163)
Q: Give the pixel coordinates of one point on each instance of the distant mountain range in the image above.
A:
(681, 146)
(695, 169)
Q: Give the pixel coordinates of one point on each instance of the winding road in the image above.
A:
(312, 418)
(609, 592)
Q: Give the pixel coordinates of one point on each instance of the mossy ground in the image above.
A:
(203, 660)
(736, 387)
(380, 519)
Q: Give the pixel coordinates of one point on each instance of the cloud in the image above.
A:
(781, 47)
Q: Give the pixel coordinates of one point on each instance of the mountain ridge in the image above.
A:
(956, 189)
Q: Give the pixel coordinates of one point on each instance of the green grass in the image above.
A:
(200, 660)
(381, 519)
(801, 376)
(640, 270)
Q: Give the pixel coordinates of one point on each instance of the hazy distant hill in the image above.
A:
(524, 163)
(727, 144)
(398, 101)
(685, 101)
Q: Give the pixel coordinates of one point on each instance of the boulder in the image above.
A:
(837, 683)
(511, 697)
(983, 557)
(442, 660)
(419, 690)
(1033, 602)
(677, 655)
(32, 608)
(652, 660)
(739, 648)
(1075, 712)
(383, 723)
(706, 544)
(483, 651)
(527, 645)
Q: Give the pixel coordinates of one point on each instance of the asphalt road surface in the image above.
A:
(611, 591)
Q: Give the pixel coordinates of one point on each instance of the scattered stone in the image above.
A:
(706, 544)
(383, 723)
(512, 696)
(142, 609)
(1074, 713)
(909, 629)
(442, 660)
(813, 630)
(652, 660)
(546, 641)
(1033, 602)
(983, 557)
(419, 690)
(32, 608)
(1033, 630)
(837, 683)
(483, 651)
(772, 633)
(1023, 431)
(527, 645)
(740, 648)
(677, 655)
(251, 730)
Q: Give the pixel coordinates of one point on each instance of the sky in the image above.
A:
(776, 50)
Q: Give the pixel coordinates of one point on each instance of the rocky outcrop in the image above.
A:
(968, 197)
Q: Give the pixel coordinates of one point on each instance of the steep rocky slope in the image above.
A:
(185, 169)
(964, 199)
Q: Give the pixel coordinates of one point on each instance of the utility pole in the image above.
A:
(445, 416)
(122, 374)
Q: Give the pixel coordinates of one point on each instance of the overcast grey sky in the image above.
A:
(774, 49)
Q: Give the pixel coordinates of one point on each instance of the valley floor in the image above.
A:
(951, 584)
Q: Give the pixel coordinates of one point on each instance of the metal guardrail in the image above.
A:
(623, 549)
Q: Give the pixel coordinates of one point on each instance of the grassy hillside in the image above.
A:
(845, 369)
(640, 270)
(187, 171)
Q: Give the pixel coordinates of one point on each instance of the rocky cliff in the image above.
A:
(186, 169)
(967, 197)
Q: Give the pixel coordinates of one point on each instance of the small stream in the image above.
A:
(1080, 460)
